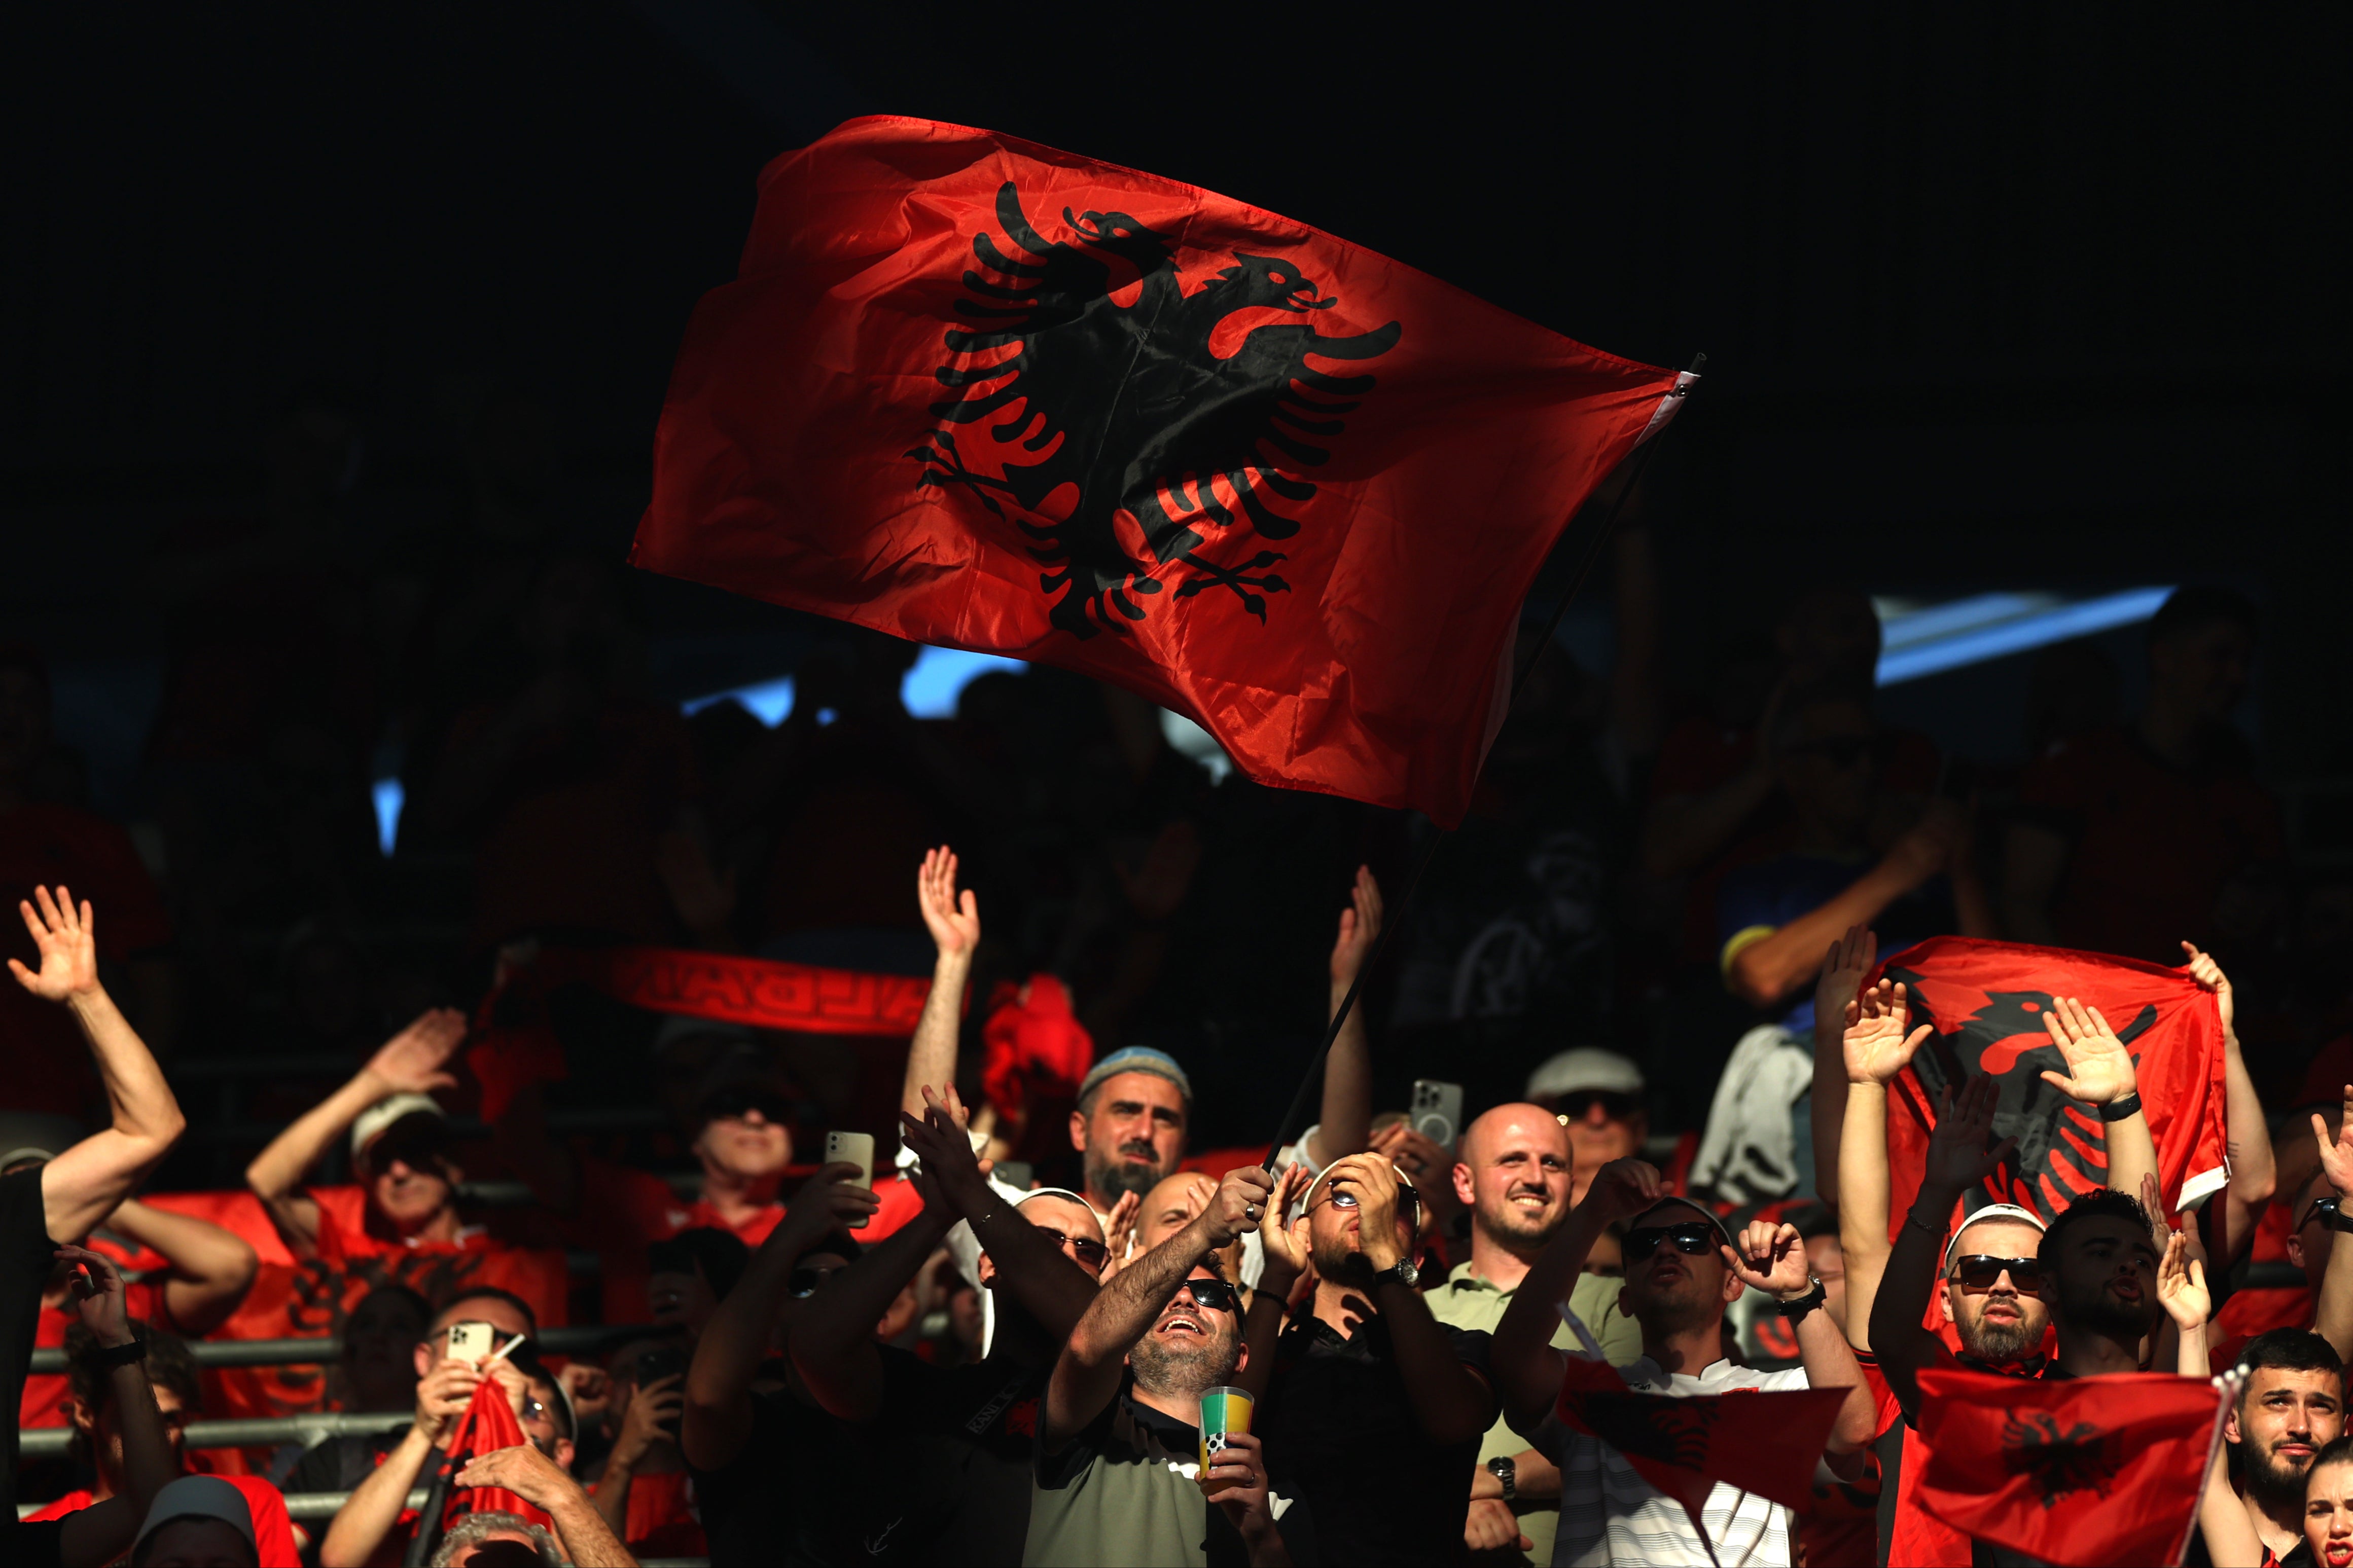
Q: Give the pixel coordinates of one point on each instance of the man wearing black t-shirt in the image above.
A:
(68, 1195)
(1373, 1410)
(961, 1437)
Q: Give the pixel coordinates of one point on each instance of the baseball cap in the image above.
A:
(1586, 1067)
(376, 1118)
(197, 1496)
(1137, 1059)
(1990, 1211)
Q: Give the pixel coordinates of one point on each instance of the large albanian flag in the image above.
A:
(976, 391)
(1986, 1001)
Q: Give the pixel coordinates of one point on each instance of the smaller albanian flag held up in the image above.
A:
(1760, 1442)
(486, 1426)
(2080, 1472)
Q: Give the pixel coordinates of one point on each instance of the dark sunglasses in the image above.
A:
(803, 1282)
(1579, 1103)
(1090, 1255)
(2320, 1207)
(1692, 1238)
(1842, 751)
(1977, 1272)
(734, 1102)
(1408, 1202)
(1214, 1295)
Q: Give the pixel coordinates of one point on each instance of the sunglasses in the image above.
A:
(803, 1282)
(1090, 1255)
(1977, 1272)
(1214, 1295)
(1693, 1238)
(2320, 1207)
(734, 1103)
(1577, 1104)
(1408, 1202)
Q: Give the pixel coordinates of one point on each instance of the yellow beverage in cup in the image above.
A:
(1223, 1410)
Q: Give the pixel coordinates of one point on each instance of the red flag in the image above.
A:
(2081, 1472)
(487, 1424)
(1760, 1442)
(976, 391)
(1986, 999)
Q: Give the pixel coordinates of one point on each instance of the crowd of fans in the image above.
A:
(1644, 968)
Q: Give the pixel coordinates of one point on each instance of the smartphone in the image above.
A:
(471, 1342)
(1437, 1112)
(856, 1149)
(1015, 1173)
(656, 1364)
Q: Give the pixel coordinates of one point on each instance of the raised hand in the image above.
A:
(412, 1061)
(1360, 927)
(1119, 1228)
(2209, 973)
(2336, 1153)
(1770, 1258)
(1236, 1206)
(953, 920)
(950, 1168)
(830, 1200)
(653, 1409)
(1876, 1045)
(68, 940)
(1286, 1247)
(1372, 1181)
(1844, 967)
(98, 1297)
(1620, 1190)
(2099, 1069)
(2182, 1285)
(443, 1393)
(1958, 1157)
(1428, 1165)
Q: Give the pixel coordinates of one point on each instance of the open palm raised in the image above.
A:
(2099, 1069)
(67, 939)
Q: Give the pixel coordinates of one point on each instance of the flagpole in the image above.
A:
(1634, 463)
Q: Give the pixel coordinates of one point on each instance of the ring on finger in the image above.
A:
(1250, 1211)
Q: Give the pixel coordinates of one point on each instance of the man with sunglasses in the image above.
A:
(961, 1436)
(1117, 1475)
(403, 1215)
(1373, 1409)
(1596, 1096)
(1682, 1269)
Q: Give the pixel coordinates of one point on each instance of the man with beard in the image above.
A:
(2290, 1406)
(1373, 1410)
(1515, 1173)
(1129, 1125)
(1118, 1476)
(1682, 1270)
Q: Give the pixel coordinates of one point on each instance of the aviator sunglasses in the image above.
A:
(1977, 1272)
(1693, 1238)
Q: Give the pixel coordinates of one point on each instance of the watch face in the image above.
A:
(1408, 1274)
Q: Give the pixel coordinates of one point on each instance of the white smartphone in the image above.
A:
(471, 1341)
(856, 1149)
(1437, 1112)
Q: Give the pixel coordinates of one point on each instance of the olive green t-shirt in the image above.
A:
(1468, 1302)
(1125, 1493)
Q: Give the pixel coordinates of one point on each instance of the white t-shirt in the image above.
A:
(1609, 1514)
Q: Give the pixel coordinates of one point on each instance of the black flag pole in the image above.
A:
(1634, 463)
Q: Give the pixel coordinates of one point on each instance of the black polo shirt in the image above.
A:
(1341, 1438)
(968, 1434)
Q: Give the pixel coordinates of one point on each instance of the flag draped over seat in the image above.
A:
(976, 391)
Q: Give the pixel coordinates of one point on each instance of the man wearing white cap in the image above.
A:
(408, 1203)
(1598, 1095)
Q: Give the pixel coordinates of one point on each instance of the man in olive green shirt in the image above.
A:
(1513, 1172)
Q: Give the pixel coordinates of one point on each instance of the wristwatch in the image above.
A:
(106, 1358)
(1402, 1271)
(1796, 1309)
(1507, 1475)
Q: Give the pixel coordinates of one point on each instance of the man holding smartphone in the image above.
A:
(644, 1492)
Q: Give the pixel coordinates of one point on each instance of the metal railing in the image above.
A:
(308, 1351)
(245, 1432)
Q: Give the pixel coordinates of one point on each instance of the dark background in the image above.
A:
(2000, 298)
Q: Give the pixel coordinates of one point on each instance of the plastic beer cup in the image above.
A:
(1223, 1410)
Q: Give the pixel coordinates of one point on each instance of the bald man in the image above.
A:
(1514, 1173)
(1174, 1203)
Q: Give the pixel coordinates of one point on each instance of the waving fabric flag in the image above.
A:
(976, 391)
(1987, 1001)
(2086, 1472)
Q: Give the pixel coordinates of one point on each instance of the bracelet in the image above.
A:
(1796, 1310)
(2123, 1110)
(107, 1358)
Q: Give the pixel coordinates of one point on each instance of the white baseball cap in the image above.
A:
(385, 1112)
(197, 1496)
(1588, 1066)
(1990, 1211)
